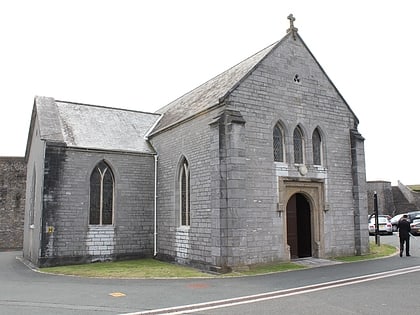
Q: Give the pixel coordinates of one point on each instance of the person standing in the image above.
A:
(404, 231)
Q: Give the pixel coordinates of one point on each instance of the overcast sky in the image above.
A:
(143, 54)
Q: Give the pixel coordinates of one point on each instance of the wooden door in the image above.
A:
(292, 236)
(299, 233)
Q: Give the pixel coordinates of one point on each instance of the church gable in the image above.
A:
(277, 137)
(290, 50)
(291, 73)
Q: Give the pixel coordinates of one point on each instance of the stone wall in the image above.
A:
(412, 196)
(271, 95)
(66, 235)
(384, 194)
(392, 200)
(234, 192)
(12, 201)
(195, 244)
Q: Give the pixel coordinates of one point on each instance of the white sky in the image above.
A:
(143, 54)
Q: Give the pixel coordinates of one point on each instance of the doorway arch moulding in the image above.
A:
(314, 192)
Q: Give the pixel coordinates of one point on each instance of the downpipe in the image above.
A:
(155, 211)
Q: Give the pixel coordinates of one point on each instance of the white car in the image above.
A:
(415, 226)
(385, 226)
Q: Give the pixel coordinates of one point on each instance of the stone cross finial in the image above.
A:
(292, 28)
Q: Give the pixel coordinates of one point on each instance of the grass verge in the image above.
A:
(151, 268)
(139, 268)
(383, 250)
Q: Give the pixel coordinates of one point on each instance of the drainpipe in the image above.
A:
(155, 211)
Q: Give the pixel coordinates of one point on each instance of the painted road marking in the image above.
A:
(117, 294)
(185, 309)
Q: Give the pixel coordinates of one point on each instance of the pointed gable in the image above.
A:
(209, 94)
(94, 127)
(324, 73)
(213, 92)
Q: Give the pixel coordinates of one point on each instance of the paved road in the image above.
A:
(381, 296)
(23, 291)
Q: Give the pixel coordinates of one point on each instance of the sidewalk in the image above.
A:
(315, 262)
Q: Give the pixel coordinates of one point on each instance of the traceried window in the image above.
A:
(298, 145)
(184, 193)
(317, 147)
(101, 195)
(278, 143)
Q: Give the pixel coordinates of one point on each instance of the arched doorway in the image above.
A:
(299, 232)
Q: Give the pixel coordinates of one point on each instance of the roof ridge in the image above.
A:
(78, 125)
(107, 107)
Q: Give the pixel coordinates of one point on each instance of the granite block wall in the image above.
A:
(67, 236)
(384, 194)
(193, 141)
(12, 201)
(234, 190)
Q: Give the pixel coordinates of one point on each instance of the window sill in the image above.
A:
(281, 164)
(183, 228)
(101, 227)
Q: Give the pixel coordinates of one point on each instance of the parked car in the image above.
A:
(415, 226)
(385, 226)
(394, 221)
(412, 215)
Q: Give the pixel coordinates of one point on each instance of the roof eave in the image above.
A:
(183, 120)
(81, 148)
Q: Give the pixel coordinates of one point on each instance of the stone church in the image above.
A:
(262, 163)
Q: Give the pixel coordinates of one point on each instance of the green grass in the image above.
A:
(151, 268)
(415, 187)
(139, 268)
(375, 252)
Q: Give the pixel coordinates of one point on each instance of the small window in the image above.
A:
(101, 195)
(184, 193)
(317, 147)
(278, 144)
(298, 145)
(32, 199)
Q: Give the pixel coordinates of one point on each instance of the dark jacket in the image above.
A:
(404, 228)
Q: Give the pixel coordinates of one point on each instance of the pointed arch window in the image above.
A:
(317, 147)
(32, 198)
(298, 145)
(278, 143)
(101, 195)
(184, 193)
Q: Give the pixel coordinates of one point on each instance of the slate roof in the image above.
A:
(94, 127)
(210, 93)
